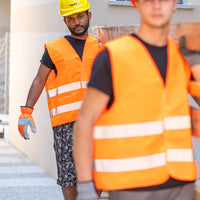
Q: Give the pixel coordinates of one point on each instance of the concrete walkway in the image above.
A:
(21, 179)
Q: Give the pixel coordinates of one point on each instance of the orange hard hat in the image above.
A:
(133, 2)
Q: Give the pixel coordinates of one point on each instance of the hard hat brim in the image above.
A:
(68, 12)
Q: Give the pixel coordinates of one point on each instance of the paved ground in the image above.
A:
(20, 178)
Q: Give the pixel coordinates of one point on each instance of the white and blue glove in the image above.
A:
(26, 120)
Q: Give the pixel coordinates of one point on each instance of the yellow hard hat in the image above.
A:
(70, 7)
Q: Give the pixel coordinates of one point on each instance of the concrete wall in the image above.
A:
(4, 15)
(33, 23)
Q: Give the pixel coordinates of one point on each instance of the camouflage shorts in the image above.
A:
(63, 138)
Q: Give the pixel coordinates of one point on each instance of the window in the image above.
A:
(184, 4)
(120, 2)
(181, 3)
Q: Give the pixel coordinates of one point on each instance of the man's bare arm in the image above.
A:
(37, 85)
(94, 103)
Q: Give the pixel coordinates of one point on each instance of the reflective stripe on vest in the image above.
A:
(66, 88)
(144, 138)
(143, 163)
(65, 108)
(142, 129)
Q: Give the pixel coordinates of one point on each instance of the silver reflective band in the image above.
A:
(130, 164)
(67, 88)
(84, 84)
(66, 108)
(143, 162)
(180, 155)
(128, 130)
(179, 122)
(142, 129)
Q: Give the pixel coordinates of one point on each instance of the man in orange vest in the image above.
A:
(64, 71)
(133, 133)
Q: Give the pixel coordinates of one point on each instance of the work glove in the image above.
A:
(192, 57)
(86, 191)
(26, 120)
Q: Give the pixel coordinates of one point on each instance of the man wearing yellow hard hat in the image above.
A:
(64, 72)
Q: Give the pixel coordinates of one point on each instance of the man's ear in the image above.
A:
(89, 15)
(64, 19)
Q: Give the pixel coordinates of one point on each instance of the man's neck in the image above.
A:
(153, 36)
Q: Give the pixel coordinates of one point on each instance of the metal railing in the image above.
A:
(4, 72)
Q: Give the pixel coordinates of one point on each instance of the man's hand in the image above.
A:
(86, 191)
(26, 120)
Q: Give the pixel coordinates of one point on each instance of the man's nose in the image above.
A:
(156, 3)
(76, 21)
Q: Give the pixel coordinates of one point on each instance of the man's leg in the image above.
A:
(69, 193)
(63, 138)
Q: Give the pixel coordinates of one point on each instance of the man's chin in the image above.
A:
(79, 33)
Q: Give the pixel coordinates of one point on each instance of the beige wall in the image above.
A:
(103, 14)
(33, 23)
(4, 15)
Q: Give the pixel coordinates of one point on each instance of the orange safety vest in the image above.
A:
(65, 91)
(145, 136)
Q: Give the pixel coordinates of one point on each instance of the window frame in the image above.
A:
(184, 5)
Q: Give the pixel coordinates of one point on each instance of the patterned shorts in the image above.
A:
(63, 138)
